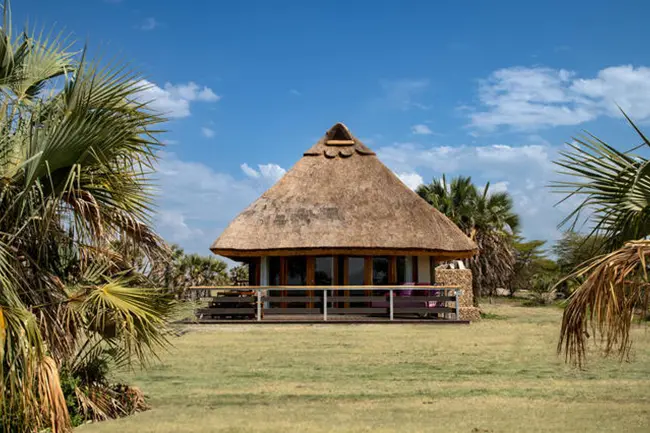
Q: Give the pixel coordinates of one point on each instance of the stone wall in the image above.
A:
(463, 279)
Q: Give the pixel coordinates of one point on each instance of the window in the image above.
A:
(401, 270)
(297, 271)
(341, 265)
(355, 271)
(274, 271)
(324, 271)
(253, 266)
(380, 267)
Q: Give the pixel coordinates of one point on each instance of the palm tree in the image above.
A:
(615, 190)
(76, 150)
(456, 199)
(487, 218)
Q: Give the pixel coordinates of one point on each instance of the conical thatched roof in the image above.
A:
(340, 199)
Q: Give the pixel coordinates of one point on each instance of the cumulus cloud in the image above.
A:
(174, 225)
(269, 172)
(421, 129)
(250, 172)
(529, 98)
(207, 132)
(173, 100)
(196, 203)
(524, 171)
(412, 180)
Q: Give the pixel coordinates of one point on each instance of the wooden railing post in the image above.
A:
(325, 305)
(458, 293)
(390, 303)
(259, 305)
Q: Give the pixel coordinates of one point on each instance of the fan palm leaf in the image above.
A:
(614, 192)
(77, 150)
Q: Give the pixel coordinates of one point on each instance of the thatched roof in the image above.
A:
(340, 199)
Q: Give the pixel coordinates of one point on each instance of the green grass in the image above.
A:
(492, 376)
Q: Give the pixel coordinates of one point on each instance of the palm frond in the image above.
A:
(614, 187)
(615, 287)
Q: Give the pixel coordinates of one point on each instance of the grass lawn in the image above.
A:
(499, 375)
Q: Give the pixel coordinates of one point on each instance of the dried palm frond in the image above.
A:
(51, 397)
(615, 287)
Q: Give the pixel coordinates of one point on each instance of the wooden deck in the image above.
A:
(331, 320)
(330, 304)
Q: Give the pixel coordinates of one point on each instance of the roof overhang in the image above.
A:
(352, 251)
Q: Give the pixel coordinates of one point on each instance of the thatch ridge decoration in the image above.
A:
(340, 197)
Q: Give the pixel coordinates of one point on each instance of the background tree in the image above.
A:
(238, 274)
(488, 219)
(574, 249)
(76, 152)
(530, 259)
(615, 190)
(183, 271)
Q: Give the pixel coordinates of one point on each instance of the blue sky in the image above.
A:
(487, 89)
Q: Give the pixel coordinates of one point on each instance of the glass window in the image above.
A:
(341, 265)
(355, 271)
(252, 273)
(297, 271)
(401, 270)
(380, 271)
(274, 271)
(324, 271)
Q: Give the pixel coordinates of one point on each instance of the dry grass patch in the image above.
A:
(492, 376)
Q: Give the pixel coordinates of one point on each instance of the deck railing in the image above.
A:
(256, 302)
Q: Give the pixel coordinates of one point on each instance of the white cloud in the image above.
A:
(196, 203)
(174, 225)
(268, 172)
(207, 132)
(192, 92)
(272, 171)
(421, 129)
(250, 172)
(412, 180)
(524, 171)
(295, 92)
(173, 100)
(149, 23)
(499, 186)
(626, 86)
(529, 98)
(403, 94)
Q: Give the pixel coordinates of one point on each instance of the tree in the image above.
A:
(76, 151)
(574, 249)
(487, 218)
(183, 271)
(615, 191)
(529, 261)
(238, 274)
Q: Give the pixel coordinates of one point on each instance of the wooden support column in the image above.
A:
(258, 271)
(311, 278)
(346, 279)
(392, 270)
(415, 269)
(432, 270)
(284, 267)
(367, 275)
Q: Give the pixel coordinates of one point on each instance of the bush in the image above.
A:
(542, 291)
